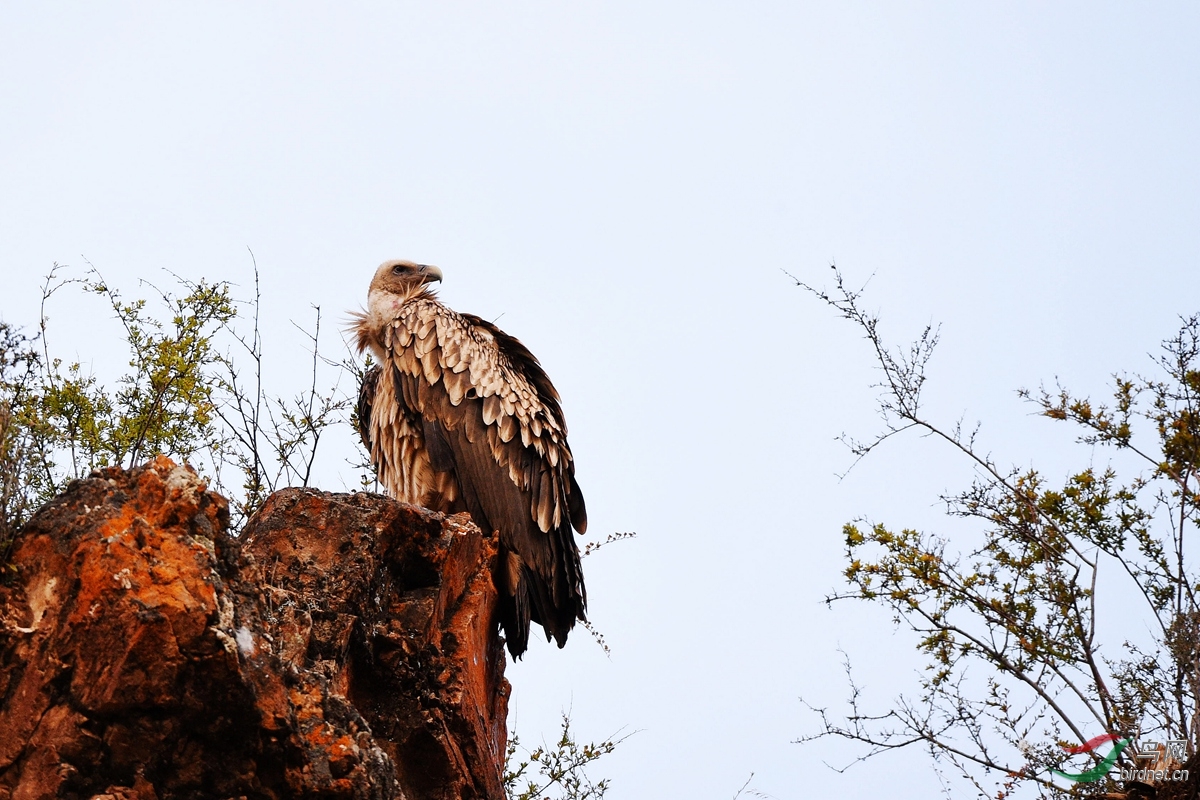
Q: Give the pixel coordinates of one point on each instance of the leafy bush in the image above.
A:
(183, 395)
(1008, 613)
(561, 768)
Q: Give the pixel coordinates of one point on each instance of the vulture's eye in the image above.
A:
(398, 269)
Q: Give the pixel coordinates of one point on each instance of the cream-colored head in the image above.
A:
(394, 284)
(403, 278)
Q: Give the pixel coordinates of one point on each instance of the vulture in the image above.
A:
(459, 416)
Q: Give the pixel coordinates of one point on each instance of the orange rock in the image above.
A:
(345, 647)
(396, 605)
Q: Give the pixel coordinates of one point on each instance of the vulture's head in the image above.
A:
(394, 284)
(402, 278)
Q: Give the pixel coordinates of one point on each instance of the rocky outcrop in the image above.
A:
(344, 647)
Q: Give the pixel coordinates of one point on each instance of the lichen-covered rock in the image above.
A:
(396, 605)
(346, 649)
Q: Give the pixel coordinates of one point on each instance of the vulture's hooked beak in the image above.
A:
(430, 274)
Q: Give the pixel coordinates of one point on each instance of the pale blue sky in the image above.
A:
(624, 184)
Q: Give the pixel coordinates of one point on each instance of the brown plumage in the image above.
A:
(459, 416)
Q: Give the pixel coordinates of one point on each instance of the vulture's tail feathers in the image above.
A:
(530, 601)
(515, 612)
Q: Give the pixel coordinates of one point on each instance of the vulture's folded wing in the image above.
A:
(491, 417)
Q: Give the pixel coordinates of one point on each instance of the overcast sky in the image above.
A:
(622, 186)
